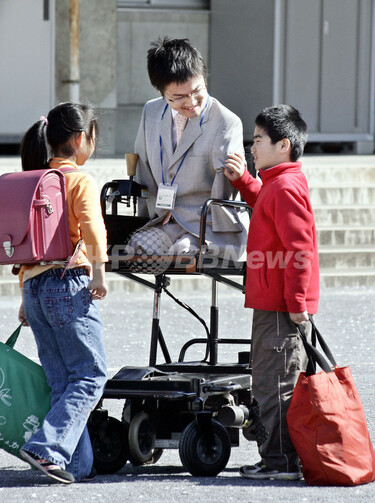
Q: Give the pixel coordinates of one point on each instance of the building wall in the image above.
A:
(26, 66)
(316, 55)
(98, 61)
(242, 60)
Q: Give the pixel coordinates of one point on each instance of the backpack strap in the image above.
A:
(67, 169)
(69, 262)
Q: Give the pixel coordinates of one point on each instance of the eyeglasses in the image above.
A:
(194, 94)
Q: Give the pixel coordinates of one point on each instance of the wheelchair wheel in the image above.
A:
(142, 438)
(200, 458)
(109, 441)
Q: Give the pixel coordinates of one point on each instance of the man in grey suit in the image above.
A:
(183, 141)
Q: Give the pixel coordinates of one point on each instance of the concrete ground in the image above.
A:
(346, 319)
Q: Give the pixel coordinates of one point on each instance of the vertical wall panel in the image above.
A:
(339, 66)
(26, 64)
(302, 59)
(241, 56)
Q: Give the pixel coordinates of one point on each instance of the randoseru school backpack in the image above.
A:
(34, 217)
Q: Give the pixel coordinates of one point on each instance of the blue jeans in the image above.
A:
(69, 337)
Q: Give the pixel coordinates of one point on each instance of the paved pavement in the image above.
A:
(347, 320)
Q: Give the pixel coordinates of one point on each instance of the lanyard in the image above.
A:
(185, 154)
(161, 161)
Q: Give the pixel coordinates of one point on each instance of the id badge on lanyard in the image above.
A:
(166, 196)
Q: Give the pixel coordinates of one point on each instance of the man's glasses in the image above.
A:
(195, 94)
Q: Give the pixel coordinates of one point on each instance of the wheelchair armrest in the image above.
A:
(204, 213)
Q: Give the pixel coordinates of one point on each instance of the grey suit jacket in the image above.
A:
(201, 174)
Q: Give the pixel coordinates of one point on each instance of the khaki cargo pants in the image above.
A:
(278, 356)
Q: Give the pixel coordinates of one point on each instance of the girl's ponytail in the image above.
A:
(64, 121)
(34, 153)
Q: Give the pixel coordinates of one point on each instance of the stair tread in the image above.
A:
(340, 185)
(342, 227)
(354, 206)
(346, 249)
(358, 271)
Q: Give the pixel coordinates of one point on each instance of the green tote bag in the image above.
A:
(24, 396)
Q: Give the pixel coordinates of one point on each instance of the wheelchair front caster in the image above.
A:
(109, 439)
(203, 457)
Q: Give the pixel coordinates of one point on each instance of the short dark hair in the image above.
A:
(284, 121)
(173, 60)
(62, 122)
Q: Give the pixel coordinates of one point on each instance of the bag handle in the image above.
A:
(322, 342)
(13, 338)
(313, 354)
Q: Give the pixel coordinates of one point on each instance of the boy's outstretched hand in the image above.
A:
(234, 166)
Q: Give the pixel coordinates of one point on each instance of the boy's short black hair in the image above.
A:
(173, 60)
(284, 121)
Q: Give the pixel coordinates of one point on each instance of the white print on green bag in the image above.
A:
(5, 396)
(31, 426)
(12, 445)
(31, 423)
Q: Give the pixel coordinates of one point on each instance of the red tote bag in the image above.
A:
(327, 423)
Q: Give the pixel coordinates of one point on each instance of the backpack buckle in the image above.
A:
(8, 248)
(49, 208)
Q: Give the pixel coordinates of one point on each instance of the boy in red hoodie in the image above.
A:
(282, 283)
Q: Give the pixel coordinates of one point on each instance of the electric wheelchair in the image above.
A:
(198, 407)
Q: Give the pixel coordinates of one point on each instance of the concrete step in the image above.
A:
(330, 257)
(342, 191)
(346, 236)
(102, 170)
(342, 195)
(345, 258)
(344, 277)
(319, 170)
(328, 278)
(6, 270)
(353, 215)
(338, 169)
(9, 284)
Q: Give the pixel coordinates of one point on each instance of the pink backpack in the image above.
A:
(34, 225)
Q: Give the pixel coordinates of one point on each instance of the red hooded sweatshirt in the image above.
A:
(282, 255)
